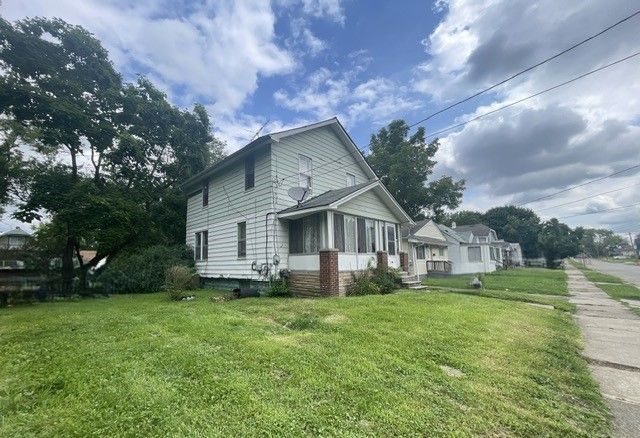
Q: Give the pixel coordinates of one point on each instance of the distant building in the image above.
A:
(12, 246)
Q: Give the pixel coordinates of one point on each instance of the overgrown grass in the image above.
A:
(528, 280)
(141, 365)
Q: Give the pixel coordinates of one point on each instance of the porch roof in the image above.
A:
(427, 240)
(332, 199)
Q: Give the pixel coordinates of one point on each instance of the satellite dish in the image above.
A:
(298, 194)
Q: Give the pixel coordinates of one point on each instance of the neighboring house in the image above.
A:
(427, 249)
(12, 247)
(244, 226)
(473, 248)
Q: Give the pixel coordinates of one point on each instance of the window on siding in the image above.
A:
(205, 193)
(441, 252)
(351, 179)
(242, 239)
(475, 255)
(349, 234)
(305, 167)
(338, 232)
(249, 172)
(304, 235)
(391, 239)
(420, 253)
(202, 245)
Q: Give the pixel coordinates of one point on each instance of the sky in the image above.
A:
(284, 63)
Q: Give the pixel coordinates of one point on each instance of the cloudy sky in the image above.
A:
(288, 62)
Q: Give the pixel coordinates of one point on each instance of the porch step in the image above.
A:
(411, 283)
(418, 287)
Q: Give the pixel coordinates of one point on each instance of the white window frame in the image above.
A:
(201, 246)
(348, 219)
(241, 240)
(469, 255)
(395, 237)
(305, 175)
(351, 179)
(424, 252)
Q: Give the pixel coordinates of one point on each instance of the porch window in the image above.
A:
(242, 239)
(305, 167)
(420, 253)
(304, 235)
(338, 231)
(474, 254)
(350, 234)
(202, 245)
(441, 252)
(492, 253)
(205, 193)
(366, 235)
(391, 238)
(249, 172)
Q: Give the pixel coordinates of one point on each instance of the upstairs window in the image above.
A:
(249, 172)
(205, 193)
(305, 167)
(202, 245)
(351, 180)
(242, 239)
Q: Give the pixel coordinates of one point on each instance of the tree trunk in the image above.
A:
(67, 266)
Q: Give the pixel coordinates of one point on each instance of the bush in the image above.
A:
(362, 284)
(388, 280)
(180, 277)
(144, 270)
(279, 288)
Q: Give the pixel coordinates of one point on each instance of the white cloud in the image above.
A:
(580, 132)
(331, 9)
(303, 36)
(214, 52)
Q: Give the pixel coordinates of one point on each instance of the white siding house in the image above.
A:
(251, 229)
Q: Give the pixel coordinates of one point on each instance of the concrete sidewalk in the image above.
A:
(612, 347)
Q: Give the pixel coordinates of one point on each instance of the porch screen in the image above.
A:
(366, 235)
(338, 232)
(391, 237)
(304, 235)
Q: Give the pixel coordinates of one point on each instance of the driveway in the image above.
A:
(629, 273)
(611, 335)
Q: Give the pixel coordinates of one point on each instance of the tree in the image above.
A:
(516, 224)
(463, 217)
(106, 156)
(557, 241)
(599, 242)
(404, 165)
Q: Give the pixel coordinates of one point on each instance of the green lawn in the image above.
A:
(528, 280)
(140, 365)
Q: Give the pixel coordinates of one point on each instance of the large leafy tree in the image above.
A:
(600, 242)
(405, 163)
(105, 156)
(464, 217)
(516, 224)
(557, 241)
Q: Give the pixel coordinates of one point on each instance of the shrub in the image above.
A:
(388, 280)
(279, 288)
(362, 284)
(144, 270)
(180, 277)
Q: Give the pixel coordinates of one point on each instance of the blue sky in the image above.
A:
(291, 62)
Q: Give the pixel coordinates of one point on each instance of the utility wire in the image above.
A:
(579, 185)
(562, 84)
(589, 197)
(601, 211)
(521, 72)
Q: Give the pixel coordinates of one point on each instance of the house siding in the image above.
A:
(370, 205)
(230, 204)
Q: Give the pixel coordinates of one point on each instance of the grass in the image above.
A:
(140, 365)
(527, 280)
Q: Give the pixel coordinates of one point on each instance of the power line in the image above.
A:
(601, 211)
(544, 61)
(589, 197)
(579, 185)
(458, 125)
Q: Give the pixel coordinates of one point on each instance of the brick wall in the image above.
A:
(329, 276)
(382, 259)
(404, 261)
(305, 283)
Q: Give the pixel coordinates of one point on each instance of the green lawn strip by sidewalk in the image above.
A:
(141, 365)
(528, 280)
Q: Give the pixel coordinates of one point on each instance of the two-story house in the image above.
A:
(12, 248)
(245, 223)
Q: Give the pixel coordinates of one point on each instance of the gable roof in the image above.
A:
(406, 231)
(195, 181)
(450, 234)
(17, 231)
(477, 229)
(332, 199)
